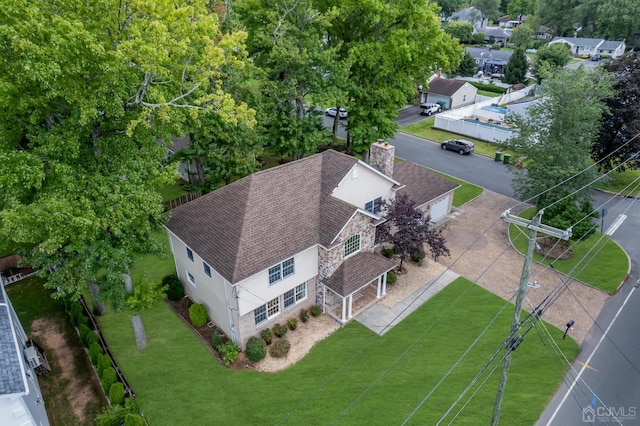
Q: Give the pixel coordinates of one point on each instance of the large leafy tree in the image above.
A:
(389, 48)
(521, 36)
(516, 69)
(559, 15)
(516, 8)
(549, 59)
(490, 9)
(448, 7)
(556, 133)
(617, 139)
(468, 66)
(460, 30)
(612, 19)
(89, 88)
(408, 229)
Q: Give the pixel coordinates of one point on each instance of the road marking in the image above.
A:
(616, 224)
(566, 395)
(588, 366)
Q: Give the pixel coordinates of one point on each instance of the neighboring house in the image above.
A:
(489, 61)
(507, 22)
(543, 33)
(449, 93)
(470, 15)
(184, 168)
(21, 402)
(592, 46)
(259, 250)
(496, 35)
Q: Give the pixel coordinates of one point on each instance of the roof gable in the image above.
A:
(421, 184)
(443, 86)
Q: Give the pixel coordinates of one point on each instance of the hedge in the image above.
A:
(133, 420)
(256, 349)
(104, 361)
(107, 378)
(198, 315)
(116, 393)
(95, 350)
(175, 290)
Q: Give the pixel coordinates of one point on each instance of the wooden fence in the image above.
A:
(172, 204)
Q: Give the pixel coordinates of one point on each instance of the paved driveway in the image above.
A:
(480, 251)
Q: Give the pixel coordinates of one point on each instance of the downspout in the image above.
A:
(229, 316)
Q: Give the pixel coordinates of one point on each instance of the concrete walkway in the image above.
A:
(380, 319)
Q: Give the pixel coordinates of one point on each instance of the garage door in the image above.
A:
(439, 209)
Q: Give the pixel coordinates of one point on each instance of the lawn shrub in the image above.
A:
(84, 331)
(388, 251)
(107, 378)
(315, 311)
(266, 335)
(133, 419)
(279, 330)
(292, 324)
(304, 315)
(83, 320)
(175, 290)
(391, 277)
(198, 315)
(216, 339)
(280, 348)
(116, 393)
(75, 312)
(229, 352)
(488, 87)
(116, 414)
(104, 361)
(417, 258)
(256, 349)
(91, 337)
(95, 350)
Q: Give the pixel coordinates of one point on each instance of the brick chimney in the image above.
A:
(381, 156)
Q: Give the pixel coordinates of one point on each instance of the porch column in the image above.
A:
(384, 284)
(344, 310)
(350, 305)
(378, 287)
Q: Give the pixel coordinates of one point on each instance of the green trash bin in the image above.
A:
(507, 157)
(498, 156)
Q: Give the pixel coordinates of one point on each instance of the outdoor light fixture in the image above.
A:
(569, 325)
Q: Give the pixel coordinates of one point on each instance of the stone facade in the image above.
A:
(381, 157)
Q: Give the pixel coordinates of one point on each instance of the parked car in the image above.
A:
(428, 109)
(461, 146)
(331, 112)
(596, 57)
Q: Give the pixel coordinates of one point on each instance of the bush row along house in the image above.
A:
(261, 249)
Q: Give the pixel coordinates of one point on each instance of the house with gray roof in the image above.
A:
(21, 402)
(592, 46)
(259, 250)
(449, 93)
(488, 60)
(470, 15)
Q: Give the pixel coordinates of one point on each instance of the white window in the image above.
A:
(374, 206)
(267, 311)
(191, 280)
(352, 245)
(281, 270)
(190, 254)
(295, 295)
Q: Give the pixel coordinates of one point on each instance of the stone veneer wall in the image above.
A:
(381, 157)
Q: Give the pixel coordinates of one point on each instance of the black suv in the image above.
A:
(461, 146)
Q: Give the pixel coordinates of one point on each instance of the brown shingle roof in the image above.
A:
(421, 184)
(269, 216)
(443, 86)
(358, 270)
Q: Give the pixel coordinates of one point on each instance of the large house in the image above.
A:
(261, 249)
(470, 15)
(21, 402)
(592, 46)
(488, 60)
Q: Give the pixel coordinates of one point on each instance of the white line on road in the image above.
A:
(566, 395)
(616, 224)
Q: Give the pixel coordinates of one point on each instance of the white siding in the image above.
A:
(14, 412)
(366, 186)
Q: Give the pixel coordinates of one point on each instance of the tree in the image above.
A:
(549, 59)
(460, 30)
(521, 36)
(617, 141)
(468, 66)
(89, 88)
(516, 69)
(408, 229)
(388, 50)
(490, 8)
(145, 295)
(448, 7)
(559, 15)
(517, 8)
(612, 19)
(556, 136)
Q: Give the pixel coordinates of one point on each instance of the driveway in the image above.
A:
(481, 252)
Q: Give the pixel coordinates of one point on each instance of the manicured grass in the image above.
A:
(154, 267)
(465, 193)
(489, 94)
(604, 271)
(171, 192)
(350, 377)
(622, 182)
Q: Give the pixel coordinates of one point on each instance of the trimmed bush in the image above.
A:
(266, 335)
(292, 324)
(74, 313)
(315, 311)
(104, 361)
(198, 315)
(229, 352)
(391, 277)
(216, 339)
(84, 331)
(107, 378)
(304, 315)
(417, 258)
(388, 252)
(133, 420)
(92, 337)
(280, 348)
(279, 330)
(256, 349)
(175, 290)
(95, 350)
(83, 320)
(116, 393)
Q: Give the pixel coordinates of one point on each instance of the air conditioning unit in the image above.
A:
(32, 357)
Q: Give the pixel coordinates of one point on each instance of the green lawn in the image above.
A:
(171, 192)
(465, 193)
(623, 182)
(346, 378)
(604, 271)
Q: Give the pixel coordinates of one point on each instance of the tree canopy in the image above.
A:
(89, 89)
(516, 69)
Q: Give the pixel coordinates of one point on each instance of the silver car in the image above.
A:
(461, 146)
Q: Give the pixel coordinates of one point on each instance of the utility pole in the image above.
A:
(534, 227)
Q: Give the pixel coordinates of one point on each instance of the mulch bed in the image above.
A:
(205, 334)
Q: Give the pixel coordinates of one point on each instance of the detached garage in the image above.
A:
(432, 193)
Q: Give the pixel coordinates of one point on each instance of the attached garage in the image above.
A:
(441, 208)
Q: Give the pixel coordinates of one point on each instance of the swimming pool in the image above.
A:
(482, 123)
(495, 109)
